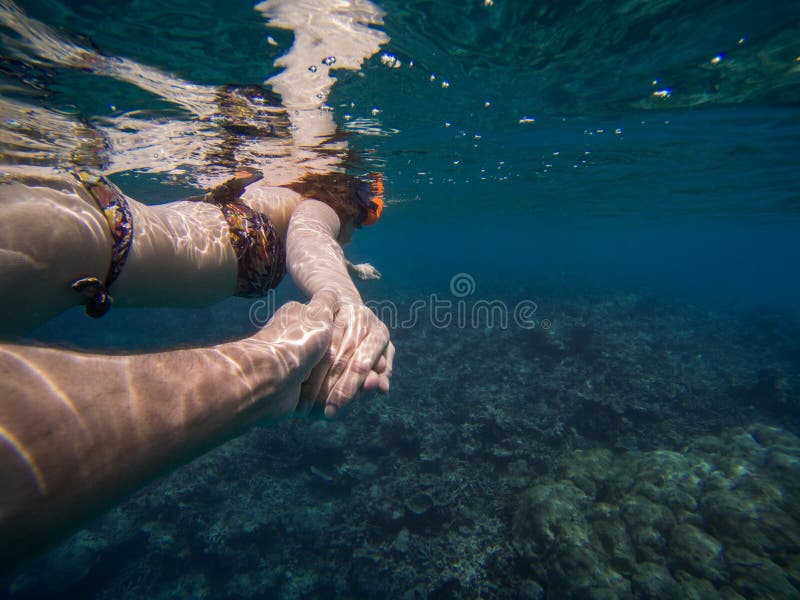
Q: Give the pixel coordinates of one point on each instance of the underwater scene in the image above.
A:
(589, 251)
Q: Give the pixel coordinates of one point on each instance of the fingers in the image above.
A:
(370, 272)
(356, 372)
(372, 382)
(315, 330)
(383, 372)
(301, 335)
(359, 358)
(315, 389)
(386, 376)
(380, 375)
(329, 356)
(321, 307)
(389, 356)
(366, 271)
(310, 391)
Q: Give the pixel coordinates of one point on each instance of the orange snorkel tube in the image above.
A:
(373, 204)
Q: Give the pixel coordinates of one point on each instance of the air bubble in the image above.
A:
(313, 68)
(328, 60)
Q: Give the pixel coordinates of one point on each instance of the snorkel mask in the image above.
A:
(369, 198)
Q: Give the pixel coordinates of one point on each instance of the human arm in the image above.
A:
(80, 431)
(314, 258)
(361, 354)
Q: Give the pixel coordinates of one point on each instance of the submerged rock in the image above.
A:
(697, 552)
(420, 503)
(757, 576)
(720, 519)
(655, 581)
(550, 516)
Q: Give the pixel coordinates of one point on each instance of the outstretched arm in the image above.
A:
(361, 354)
(80, 431)
(314, 258)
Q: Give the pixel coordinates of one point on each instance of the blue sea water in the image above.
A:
(632, 169)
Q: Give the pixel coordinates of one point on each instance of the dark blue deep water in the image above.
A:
(630, 170)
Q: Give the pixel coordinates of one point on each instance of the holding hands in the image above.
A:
(360, 355)
(359, 358)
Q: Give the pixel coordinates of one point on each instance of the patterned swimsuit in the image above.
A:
(260, 255)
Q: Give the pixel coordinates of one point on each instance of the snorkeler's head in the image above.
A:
(369, 197)
(355, 200)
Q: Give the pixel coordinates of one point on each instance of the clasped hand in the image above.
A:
(359, 358)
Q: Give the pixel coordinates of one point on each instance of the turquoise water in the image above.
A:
(625, 186)
(629, 167)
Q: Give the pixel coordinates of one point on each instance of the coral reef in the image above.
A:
(718, 518)
(633, 448)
